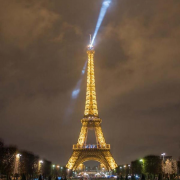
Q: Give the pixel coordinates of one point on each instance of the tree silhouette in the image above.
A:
(152, 165)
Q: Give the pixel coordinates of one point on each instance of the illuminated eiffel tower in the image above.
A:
(85, 152)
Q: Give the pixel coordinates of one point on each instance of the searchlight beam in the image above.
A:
(102, 13)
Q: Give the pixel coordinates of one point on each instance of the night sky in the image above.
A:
(137, 69)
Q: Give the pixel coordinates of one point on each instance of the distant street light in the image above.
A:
(17, 163)
(18, 155)
(68, 172)
(124, 165)
(40, 164)
(163, 154)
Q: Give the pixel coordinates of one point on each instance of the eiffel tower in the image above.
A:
(100, 151)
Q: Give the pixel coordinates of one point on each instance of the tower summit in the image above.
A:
(91, 103)
(100, 151)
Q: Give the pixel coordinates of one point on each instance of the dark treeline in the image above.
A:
(150, 167)
(16, 163)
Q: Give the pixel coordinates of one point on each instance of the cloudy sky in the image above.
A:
(137, 69)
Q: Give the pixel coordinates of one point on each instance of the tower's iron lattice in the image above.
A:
(100, 151)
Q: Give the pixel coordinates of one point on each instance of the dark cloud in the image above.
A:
(137, 72)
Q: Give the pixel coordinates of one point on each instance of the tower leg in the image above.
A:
(80, 156)
(73, 159)
(83, 135)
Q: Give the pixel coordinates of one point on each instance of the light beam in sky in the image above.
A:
(76, 90)
(75, 94)
(102, 13)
